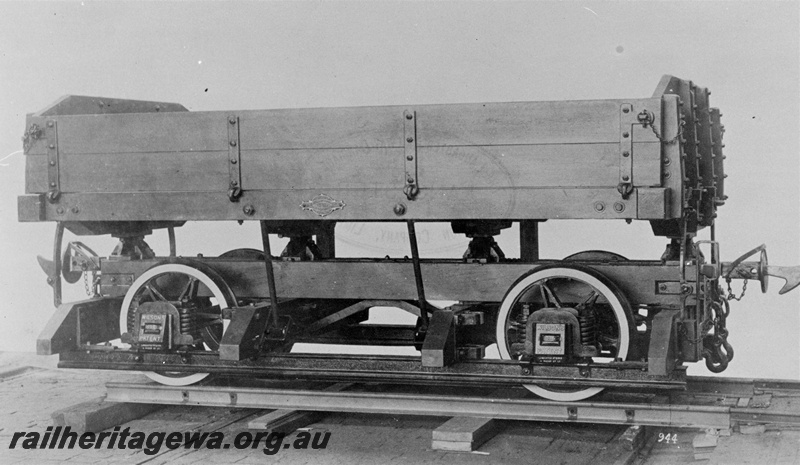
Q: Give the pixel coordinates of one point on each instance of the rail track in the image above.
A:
(716, 403)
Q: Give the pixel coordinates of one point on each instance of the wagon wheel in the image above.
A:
(565, 286)
(193, 287)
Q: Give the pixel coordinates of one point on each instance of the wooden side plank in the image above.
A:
(143, 132)
(150, 172)
(587, 121)
(322, 128)
(35, 174)
(544, 165)
(574, 165)
(355, 168)
(358, 205)
(591, 121)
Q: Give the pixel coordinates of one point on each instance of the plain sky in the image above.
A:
(258, 55)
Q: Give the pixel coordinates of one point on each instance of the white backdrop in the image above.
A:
(218, 56)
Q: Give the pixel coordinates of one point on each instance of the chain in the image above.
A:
(89, 288)
(668, 142)
(731, 295)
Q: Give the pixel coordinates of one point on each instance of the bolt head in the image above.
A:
(233, 143)
(49, 124)
(625, 134)
(409, 116)
(626, 110)
(662, 287)
(248, 210)
(234, 183)
(399, 209)
(409, 139)
(232, 120)
(626, 153)
(234, 161)
(52, 163)
(76, 210)
(599, 206)
(410, 157)
(52, 146)
(625, 177)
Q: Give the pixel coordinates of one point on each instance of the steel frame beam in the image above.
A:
(382, 369)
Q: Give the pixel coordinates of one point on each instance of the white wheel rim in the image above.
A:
(522, 286)
(147, 276)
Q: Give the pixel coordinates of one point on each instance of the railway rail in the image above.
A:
(706, 403)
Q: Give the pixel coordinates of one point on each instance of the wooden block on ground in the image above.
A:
(286, 420)
(10, 372)
(632, 438)
(761, 401)
(703, 445)
(752, 429)
(463, 433)
(98, 415)
(705, 441)
(627, 446)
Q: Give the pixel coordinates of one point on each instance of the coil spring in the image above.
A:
(132, 318)
(588, 327)
(186, 319)
(523, 322)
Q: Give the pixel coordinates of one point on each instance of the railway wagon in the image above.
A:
(566, 329)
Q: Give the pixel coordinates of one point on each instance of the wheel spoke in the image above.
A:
(190, 291)
(154, 293)
(590, 301)
(544, 294)
(551, 296)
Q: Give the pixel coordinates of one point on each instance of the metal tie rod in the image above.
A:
(425, 404)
